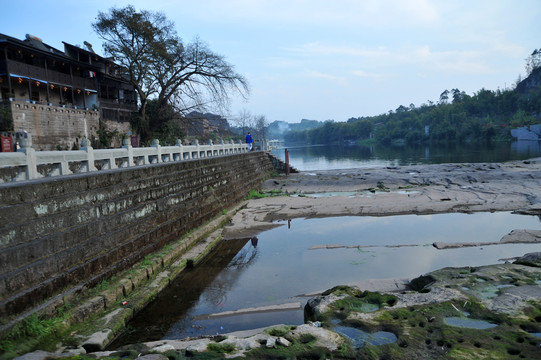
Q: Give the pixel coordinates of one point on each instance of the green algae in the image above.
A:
(280, 330)
(423, 332)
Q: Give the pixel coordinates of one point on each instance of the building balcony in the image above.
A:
(38, 73)
(118, 104)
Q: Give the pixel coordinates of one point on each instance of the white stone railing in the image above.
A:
(26, 160)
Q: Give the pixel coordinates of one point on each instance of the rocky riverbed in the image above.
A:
(459, 313)
(418, 189)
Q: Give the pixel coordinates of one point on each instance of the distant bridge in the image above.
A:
(275, 144)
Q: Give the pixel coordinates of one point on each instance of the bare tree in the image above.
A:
(244, 120)
(194, 77)
(260, 127)
(129, 37)
(159, 64)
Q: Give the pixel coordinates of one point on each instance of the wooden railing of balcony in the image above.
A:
(39, 73)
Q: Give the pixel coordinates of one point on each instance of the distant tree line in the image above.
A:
(278, 128)
(457, 117)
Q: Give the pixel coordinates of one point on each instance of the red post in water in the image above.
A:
(287, 162)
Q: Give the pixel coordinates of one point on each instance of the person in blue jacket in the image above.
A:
(249, 141)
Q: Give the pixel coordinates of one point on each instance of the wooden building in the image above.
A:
(61, 97)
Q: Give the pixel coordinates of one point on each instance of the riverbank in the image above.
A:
(424, 189)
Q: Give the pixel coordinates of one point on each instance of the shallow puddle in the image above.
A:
(491, 291)
(359, 337)
(469, 323)
(352, 194)
(328, 194)
(279, 267)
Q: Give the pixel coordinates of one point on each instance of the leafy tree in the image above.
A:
(6, 120)
(533, 61)
(362, 128)
(521, 118)
(166, 124)
(458, 95)
(444, 97)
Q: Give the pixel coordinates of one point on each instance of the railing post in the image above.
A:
(89, 155)
(189, 153)
(222, 148)
(196, 143)
(180, 155)
(25, 143)
(126, 144)
(156, 144)
(211, 143)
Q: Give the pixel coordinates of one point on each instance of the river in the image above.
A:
(328, 157)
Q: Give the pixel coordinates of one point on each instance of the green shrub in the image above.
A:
(254, 194)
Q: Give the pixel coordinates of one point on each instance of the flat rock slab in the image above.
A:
(252, 310)
(519, 236)
(417, 189)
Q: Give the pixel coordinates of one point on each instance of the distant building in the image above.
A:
(60, 97)
(204, 124)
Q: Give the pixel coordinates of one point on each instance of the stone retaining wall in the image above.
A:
(57, 233)
(54, 126)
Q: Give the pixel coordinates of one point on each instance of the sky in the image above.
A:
(321, 59)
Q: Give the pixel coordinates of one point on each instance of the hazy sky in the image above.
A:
(323, 59)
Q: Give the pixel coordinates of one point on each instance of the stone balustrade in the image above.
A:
(27, 164)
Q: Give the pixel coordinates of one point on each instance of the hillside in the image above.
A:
(485, 116)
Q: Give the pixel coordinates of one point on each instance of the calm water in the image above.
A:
(327, 157)
(280, 267)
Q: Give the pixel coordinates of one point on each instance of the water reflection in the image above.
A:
(278, 267)
(325, 157)
(208, 284)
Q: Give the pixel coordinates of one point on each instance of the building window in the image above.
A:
(109, 114)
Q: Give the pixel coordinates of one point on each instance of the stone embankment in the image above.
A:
(61, 236)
